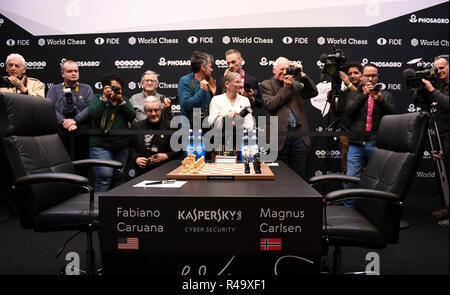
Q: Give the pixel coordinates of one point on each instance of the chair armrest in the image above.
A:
(50, 177)
(360, 193)
(332, 177)
(98, 162)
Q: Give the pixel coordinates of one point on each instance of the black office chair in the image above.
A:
(374, 222)
(47, 194)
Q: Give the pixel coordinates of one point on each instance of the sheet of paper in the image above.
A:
(176, 184)
(274, 164)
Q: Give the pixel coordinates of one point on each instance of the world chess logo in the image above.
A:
(321, 40)
(132, 40)
(226, 40)
(132, 85)
(41, 42)
(414, 42)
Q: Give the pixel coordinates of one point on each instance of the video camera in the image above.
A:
(4, 82)
(333, 63)
(425, 71)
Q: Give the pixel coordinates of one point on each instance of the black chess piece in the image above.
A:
(257, 163)
(247, 166)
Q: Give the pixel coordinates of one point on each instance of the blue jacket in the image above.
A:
(191, 96)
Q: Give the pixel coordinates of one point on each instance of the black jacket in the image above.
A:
(356, 111)
(155, 144)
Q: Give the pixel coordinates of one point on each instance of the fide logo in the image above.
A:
(192, 40)
(381, 41)
(1, 21)
(10, 42)
(99, 41)
(98, 85)
(288, 40)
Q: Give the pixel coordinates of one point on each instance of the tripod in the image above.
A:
(438, 156)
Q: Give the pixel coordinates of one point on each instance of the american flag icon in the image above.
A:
(128, 244)
(270, 244)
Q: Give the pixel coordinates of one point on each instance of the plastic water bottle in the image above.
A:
(254, 148)
(190, 147)
(245, 151)
(200, 145)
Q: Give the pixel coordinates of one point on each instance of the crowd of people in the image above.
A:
(282, 95)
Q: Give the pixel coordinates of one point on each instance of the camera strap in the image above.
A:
(103, 121)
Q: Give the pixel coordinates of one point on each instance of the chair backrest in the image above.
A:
(399, 149)
(28, 135)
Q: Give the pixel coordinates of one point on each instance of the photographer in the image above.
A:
(440, 97)
(149, 83)
(365, 108)
(149, 151)
(18, 82)
(71, 100)
(110, 111)
(283, 97)
(352, 78)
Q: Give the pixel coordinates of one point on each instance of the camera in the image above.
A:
(247, 87)
(293, 70)
(333, 63)
(115, 89)
(425, 71)
(70, 109)
(245, 111)
(4, 82)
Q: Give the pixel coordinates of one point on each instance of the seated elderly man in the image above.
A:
(18, 82)
(148, 150)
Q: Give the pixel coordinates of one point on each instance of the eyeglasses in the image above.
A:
(370, 76)
(152, 110)
(150, 81)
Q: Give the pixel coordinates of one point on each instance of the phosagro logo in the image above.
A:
(383, 64)
(85, 63)
(427, 20)
(163, 62)
(129, 64)
(264, 62)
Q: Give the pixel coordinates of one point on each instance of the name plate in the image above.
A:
(220, 177)
(226, 159)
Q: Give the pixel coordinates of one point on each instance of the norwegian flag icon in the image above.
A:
(270, 244)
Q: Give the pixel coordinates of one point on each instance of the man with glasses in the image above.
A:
(364, 109)
(149, 83)
(149, 150)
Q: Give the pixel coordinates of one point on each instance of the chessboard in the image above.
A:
(225, 171)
